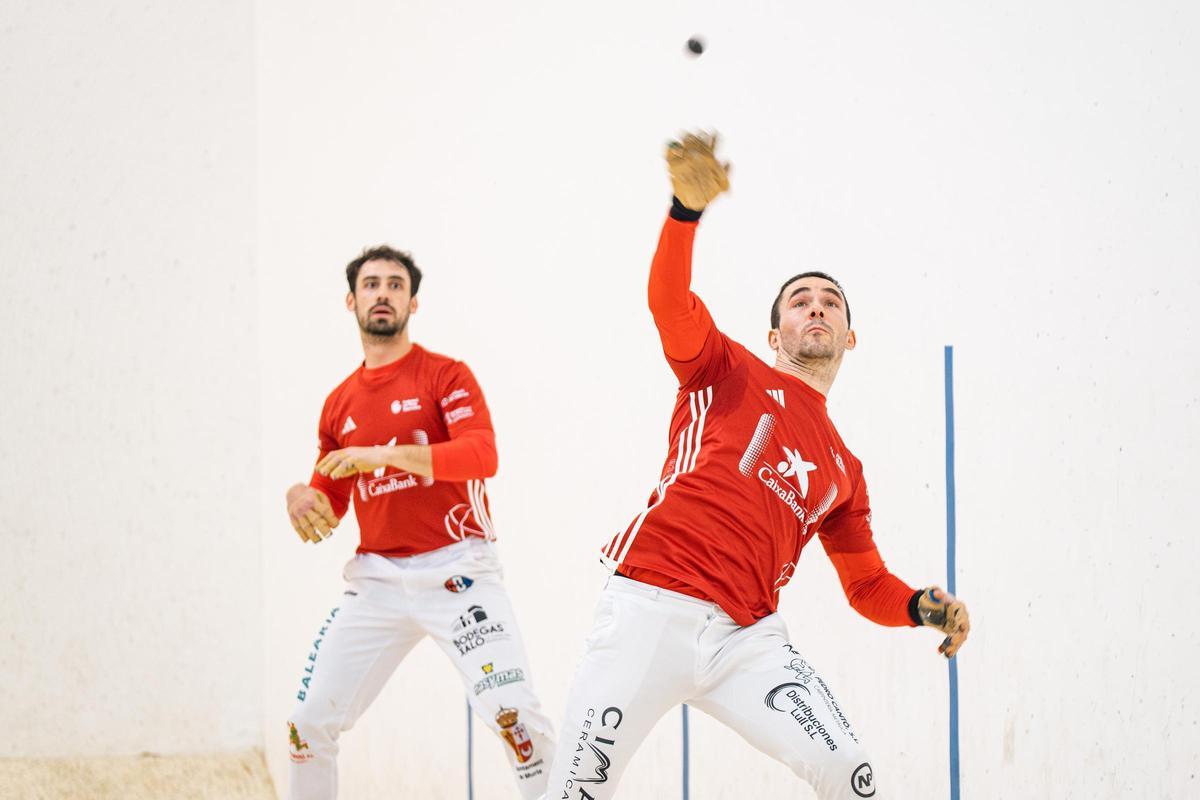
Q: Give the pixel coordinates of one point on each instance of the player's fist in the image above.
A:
(942, 610)
(697, 177)
(310, 512)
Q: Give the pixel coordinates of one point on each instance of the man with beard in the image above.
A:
(754, 471)
(408, 436)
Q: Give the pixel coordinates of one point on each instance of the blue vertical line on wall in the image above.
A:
(950, 582)
(686, 788)
(470, 754)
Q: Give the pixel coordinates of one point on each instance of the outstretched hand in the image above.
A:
(942, 610)
(353, 460)
(697, 177)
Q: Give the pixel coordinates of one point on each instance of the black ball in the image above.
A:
(695, 45)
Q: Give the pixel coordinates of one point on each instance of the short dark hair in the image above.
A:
(384, 253)
(811, 274)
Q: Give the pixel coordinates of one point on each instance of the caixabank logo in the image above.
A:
(788, 478)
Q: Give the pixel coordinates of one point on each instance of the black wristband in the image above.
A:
(914, 607)
(682, 213)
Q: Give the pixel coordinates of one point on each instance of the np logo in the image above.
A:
(863, 781)
(458, 583)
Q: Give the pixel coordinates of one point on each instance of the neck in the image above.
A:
(379, 351)
(817, 373)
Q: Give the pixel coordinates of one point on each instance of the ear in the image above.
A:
(773, 339)
(349, 301)
(851, 340)
(412, 306)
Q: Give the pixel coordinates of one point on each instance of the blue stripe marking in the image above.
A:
(950, 554)
(470, 753)
(685, 752)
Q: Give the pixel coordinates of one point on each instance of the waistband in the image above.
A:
(619, 583)
(441, 556)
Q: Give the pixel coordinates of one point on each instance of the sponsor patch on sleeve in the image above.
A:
(457, 394)
(457, 414)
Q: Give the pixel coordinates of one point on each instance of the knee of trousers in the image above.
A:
(527, 742)
(515, 704)
(846, 773)
(313, 726)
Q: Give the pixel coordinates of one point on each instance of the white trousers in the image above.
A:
(651, 649)
(454, 595)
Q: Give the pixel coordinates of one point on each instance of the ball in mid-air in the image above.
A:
(695, 46)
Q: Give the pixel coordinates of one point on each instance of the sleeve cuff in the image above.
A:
(682, 213)
(914, 612)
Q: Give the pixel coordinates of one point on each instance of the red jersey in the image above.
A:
(754, 471)
(426, 399)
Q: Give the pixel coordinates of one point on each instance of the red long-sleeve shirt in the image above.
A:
(754, 470)
(426, 399)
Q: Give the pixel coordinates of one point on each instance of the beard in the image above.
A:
(809, 348)
(382, 327)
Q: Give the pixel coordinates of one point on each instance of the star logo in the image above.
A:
(795, 465)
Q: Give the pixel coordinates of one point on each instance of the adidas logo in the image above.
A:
(349, 426)
(777, 396)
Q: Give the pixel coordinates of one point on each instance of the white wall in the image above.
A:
(130, 574)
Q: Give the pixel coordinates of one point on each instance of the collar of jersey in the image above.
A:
(375, 375)
(804, 387)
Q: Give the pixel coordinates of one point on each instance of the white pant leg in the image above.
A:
(638, 664)
(478, 632)
(757, 683)
(358, 648)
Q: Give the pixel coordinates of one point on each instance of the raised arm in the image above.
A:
(684, 324)
(682, 320)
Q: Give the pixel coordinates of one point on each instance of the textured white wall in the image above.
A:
(1019, 180)
(130, 575)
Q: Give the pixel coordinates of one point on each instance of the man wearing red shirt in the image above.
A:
(408, 436)
(754, 471)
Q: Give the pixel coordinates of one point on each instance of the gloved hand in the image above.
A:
(939, 609)
(697, 177)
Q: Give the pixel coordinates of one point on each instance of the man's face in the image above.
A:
(812, 321)
(382, 299)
